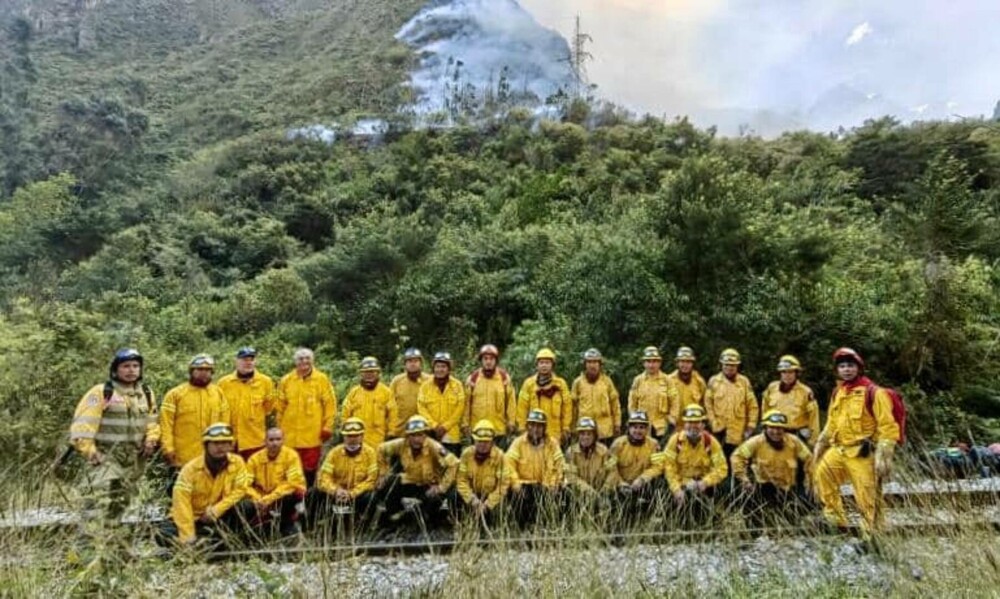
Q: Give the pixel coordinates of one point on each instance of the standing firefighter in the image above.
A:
(857, 444)
(406, 386)
(307, 408)
(188, 409)
(372, 401)
(794, 399)
(491, 396)
(689, 386)
(251, 396)
(595, 396)
(115, 430)
(549, 393)
(730, 403)
(653, 394)
(442, 404)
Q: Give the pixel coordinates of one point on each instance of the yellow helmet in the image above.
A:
(417, 424)
(651, 353)
(370, 364)
(586, 424)
(789, 362)
(694, 413)
(545, 354)
(352, 426)
(684, 354)
(537, 416)
(218, 431)
(483, 431)
(774, 418)
(729, 356)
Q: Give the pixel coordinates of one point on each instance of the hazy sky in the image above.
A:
(931, 58)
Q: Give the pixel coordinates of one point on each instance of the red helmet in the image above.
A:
(489, 349)
(848, 353)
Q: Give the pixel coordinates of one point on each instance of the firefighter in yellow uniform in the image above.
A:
(653, 394)
(857, 444)
(442, 404)
(347, 478)
(549, 393)
(416, 473)
(637, 468)
(306, 410)
(372, 401)
(482, 480)
(406, 386)
(767, 466)
(595, 396)
(589, 463)
(277, 485)
(794, 399)
(731, 404)
(251, 396)
(210, 495)
(491, 396)
(115, 429)
(689, 386)
(188, 409)
(694, 464)
(537, 470)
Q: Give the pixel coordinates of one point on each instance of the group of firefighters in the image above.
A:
(247, 453)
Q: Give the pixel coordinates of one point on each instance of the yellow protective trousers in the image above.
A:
(838, 466)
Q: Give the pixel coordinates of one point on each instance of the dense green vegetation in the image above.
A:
(149, 198)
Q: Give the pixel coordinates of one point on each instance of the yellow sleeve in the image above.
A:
(572, 475)
(181, 511)
(673, 403)
(741, 458)
(235, 494)
(753, 410)
(510, 459)
(462, 485)
(720, 469)
(613, 478)
(670, 470)
(329, 407)
(633, 395)
(574, 393)
(455, 418)
(86, 421)
(449, 464)
(391, 414)
(812, 409)
(523, 406)
(295, 479)
(281, 400)
(467, 405)
(568, 407)
(710, 403)
(167, 412)
(616, 404)
(510, 403)
(371, 476)
(224, 413)
(886, 427)
(554, 474)
(325, 482)
(654, 469)
(387, 451)
(153, 421)
(349, 406)
(497, 495)
(252, 491)
(424, 409)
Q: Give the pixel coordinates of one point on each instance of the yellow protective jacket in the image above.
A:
(488, 480)
(692, 392)
(490, 398)
(376, 408)
(798, 404)
(598, 400)
(250, 401)
(684, 462)
(443, 408)
(270, 480)
(635, 461)
(535, 464)
(432, 465)
(655, 396)
(356, 474)
(406, 391)
(778, 467)
(128, 417)
(554, 399)
(731, 406)
(588, 471)
(306, 409)
(197, 491)
(185, 414)
(849, 422)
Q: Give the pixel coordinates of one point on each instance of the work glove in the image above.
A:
(883, 461)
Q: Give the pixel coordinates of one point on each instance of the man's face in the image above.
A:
(651, 366)
(593, 367)
(847, 371)
(218, 449)
(637, 432)
(304, 365)
(441, 370)
(488, 361)
(730, 370)
(536, 431)
(413, 365)
(369, 376)
(353, 442)
(202, 375)
(789, 376)
(416, 440)
(685, 366)
(694, 428)
(275, 438)
(774, 433)
(484, 447)
(246, 365)
(544, 366)
(128, 372)
(586, 438)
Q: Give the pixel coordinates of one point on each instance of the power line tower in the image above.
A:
(579, 57)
